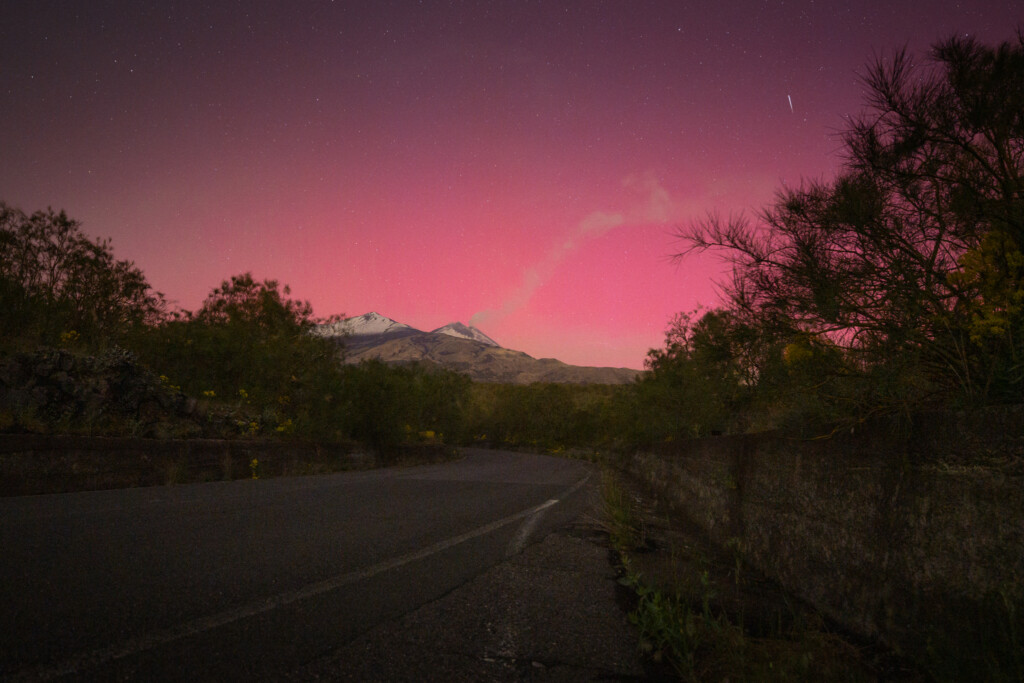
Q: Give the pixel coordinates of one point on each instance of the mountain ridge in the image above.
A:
(460, 348)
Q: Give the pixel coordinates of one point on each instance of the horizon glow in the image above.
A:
(515, 165)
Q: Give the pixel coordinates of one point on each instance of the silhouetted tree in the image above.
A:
(910, 261)
(54, 280)
(264, 305)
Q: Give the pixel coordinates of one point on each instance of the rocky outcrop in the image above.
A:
(56, 390)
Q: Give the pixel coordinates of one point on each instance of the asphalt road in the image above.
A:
(262, 579)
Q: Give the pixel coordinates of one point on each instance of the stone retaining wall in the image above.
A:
(32, 463)
(911, 532)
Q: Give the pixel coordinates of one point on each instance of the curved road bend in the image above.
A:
(232, 579)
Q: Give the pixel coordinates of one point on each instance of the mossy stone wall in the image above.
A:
(905, 530)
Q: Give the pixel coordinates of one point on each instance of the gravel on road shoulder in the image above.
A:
(547, 613)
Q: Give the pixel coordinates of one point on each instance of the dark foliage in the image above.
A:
(908, 267)
(59, 286)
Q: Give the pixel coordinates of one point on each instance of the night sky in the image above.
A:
(521, 165)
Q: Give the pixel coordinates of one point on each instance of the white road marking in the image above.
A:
(519, 542)
(139, 644)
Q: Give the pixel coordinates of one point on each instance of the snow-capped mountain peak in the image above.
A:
(461, 331)
(368, 324)
(373, 324)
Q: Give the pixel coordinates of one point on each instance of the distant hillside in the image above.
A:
(463, 349)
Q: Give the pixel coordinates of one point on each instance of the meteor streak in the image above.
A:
(790, 103)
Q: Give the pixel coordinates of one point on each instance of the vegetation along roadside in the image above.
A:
(896, 286)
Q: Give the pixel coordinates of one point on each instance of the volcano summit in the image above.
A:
(458, 347)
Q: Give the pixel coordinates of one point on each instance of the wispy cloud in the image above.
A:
(656, 206)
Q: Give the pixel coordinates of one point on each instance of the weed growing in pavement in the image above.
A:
(622, 521)
(694, 620)
(176, 471)
(736, 546)
(671, 631)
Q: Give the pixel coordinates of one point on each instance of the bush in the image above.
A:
(546, 416)
(386, 405)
